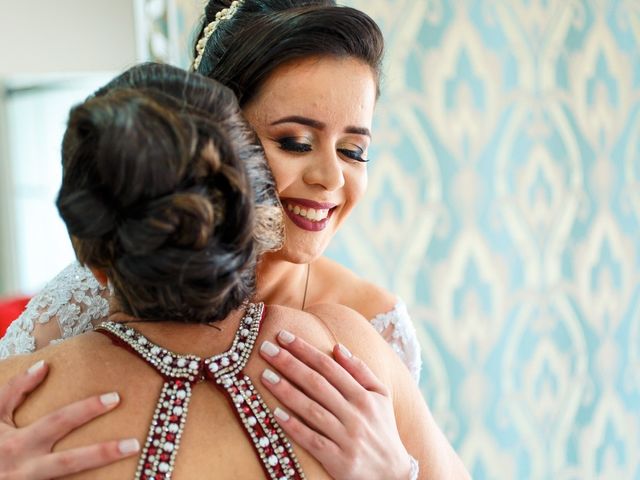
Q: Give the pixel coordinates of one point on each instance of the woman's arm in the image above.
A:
(25, 453)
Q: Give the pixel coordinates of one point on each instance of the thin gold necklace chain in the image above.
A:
(306, 286)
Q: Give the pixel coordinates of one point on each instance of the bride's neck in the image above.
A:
(280, 282)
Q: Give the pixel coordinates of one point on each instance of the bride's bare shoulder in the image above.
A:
(337, 284)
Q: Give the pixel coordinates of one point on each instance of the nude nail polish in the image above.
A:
(36, 367)
(286, 336)
(109, 399)
(270, 376)
(345, 351)
(130, 445)
(269, 348)
(281, 414)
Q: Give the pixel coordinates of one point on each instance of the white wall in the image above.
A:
(52, 54)
(43, 36)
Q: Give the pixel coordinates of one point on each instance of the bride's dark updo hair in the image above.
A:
(161, 177)
(265, 34)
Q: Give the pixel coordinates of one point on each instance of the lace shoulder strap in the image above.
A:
(225, 370)
(70, 304)
(396, 327)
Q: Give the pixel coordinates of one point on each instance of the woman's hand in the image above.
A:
(25, 453)
(343, 414)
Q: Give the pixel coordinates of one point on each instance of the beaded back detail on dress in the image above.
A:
(224, 370)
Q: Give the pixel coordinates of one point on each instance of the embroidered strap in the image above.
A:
(225, 370)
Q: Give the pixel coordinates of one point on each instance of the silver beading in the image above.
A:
(224, 14)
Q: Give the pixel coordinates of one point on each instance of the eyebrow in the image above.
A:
(318, 125)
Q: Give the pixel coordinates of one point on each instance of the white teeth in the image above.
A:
(309, 214)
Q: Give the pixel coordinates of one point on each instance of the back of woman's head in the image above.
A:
(245, 48)
(160, 179)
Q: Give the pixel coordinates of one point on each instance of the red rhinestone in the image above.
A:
(173, 418)
(164, 457)
(171, 437)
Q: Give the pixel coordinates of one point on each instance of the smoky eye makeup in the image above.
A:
(353, 152)
(294, 144)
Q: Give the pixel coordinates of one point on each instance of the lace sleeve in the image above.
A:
(74, 299)
(397, 329)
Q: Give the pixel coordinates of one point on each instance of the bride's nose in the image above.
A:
(325, 170)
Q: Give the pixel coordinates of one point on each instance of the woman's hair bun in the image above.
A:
(156, 191)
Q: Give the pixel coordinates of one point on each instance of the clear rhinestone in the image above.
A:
(142, 341)
(241, 346)
(163, 467)
(173, 428)
(167, 360)
(273, 460)
(234, 357)
(213, 367)
(225, 361)
(155, 350)
(252, 421)
(193, 365)
(182, 362)
(177, 410)
(168, 447)
(263, 442)
(181, 394)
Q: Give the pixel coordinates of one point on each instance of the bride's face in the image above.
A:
(313, 118)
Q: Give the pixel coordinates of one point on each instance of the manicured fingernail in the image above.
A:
(269, 348)
(281, 414)
(36, 367)
(270, 376)
(345, 351)
(286, 337)
(130, 445)
(109, 399)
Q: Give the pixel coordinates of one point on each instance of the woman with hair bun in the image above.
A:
(168, 201)
(307, 74)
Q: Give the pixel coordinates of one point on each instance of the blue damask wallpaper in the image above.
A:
(504, 208)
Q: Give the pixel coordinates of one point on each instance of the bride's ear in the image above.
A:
(100, 274)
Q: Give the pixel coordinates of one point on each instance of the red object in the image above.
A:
(10, 309)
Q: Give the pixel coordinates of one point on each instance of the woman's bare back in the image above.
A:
(213, 440)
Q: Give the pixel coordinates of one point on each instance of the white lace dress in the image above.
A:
(77, 303)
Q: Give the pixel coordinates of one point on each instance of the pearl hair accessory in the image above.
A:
(224, 14)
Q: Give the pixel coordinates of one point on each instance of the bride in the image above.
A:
(159, 175)
(311, 107)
